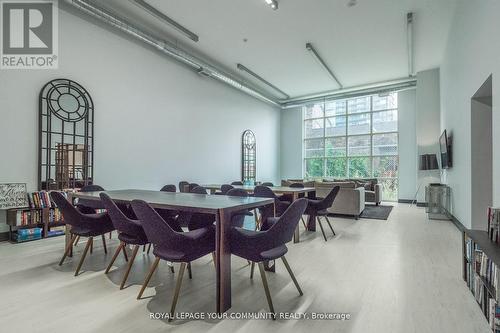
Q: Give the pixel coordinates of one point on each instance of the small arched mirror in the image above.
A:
(248, 151)
(66, 125)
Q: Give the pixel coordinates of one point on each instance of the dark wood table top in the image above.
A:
(275, 189)
(181, 201)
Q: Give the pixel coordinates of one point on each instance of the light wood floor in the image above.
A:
(400, 275)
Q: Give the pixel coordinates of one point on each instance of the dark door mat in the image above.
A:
(376, 212)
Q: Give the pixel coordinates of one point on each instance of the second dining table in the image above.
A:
(221, 206)
(294, 192)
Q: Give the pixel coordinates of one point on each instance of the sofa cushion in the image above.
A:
(346, 184)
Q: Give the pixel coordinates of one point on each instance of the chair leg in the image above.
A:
(91, 245)
(84, 254)
(110, 234)
(252, 269)
(77, 240)
(104, 244)
(144, 248)
(213, 259)
(68, 249)
(291, 275)
(117, 252)
(321, 226)
(266, 287)
(149, 248)
(171, 265)
(303, 222)
(190, 273)
(331, 228)
(124, 248)
(130, 263)
(177, 289)
(148, 277)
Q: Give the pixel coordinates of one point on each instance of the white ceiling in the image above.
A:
(361, 44)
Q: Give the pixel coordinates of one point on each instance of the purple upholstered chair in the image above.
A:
(200, 220)
(238, 218)
(237, 183)
(169, 214)
(269, 242)
(181, 247)
(268, 184)
(130, 232)
(182, 186)
(267, 211)
(318, 208)
(224, 189)
(169, 188)
(83, 225)
(192, 186)
(89, 206)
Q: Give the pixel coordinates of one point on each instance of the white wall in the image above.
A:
(407, 144)
(472, 54)
(428, 124)
(157, 122)
(291, 144)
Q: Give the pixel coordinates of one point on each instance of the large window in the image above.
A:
(353, 138)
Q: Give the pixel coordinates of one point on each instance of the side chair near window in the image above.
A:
(182, 186)
(130, 232)
(237, 183)
(269, 243)
(169, 188)
(318, 208)
(266, 212)
(224, 189)
(268, 184)
(83, 225)
(169, 245)
(238, 218)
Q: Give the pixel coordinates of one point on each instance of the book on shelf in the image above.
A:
(494, 224)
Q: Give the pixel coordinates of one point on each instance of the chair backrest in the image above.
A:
(120, 221)
(91, 188)
(297, 185)
(199, 190)
(237, 183)
(261, 191)
(237, 192)
(192, 186)
(182, 185)
(269, 184)
(169, 188)
(157, 230)
(329, 199)
(225, 188)
(71, 215)
(282, 230)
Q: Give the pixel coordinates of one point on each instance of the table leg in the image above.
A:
(67, 230)
(296, 234)
(270, 266)
(223, 257)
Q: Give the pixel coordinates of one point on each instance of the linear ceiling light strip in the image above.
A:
(258, 77)
(409, 40)
(167, 48)
(158, 14)
(316, 55)
(375, 88)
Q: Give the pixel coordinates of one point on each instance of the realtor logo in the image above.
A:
(29, 34)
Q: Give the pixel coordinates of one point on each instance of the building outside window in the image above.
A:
(353, 138)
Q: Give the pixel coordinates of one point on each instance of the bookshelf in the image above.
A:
(40, 220)
(481, 262)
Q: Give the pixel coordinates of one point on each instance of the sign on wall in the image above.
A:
(13, 195)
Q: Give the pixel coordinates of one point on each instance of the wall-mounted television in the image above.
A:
(445, 148)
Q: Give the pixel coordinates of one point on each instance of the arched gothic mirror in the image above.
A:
(66, 136)
(248, 164)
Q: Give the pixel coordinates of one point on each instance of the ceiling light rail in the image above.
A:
(316, 55)
(158, 14)
(258, 77)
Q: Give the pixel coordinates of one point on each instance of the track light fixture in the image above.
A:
(258, 77)
(273, 4)
(315, 54)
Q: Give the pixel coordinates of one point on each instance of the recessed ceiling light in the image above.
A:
(273, 4)
(352, 3)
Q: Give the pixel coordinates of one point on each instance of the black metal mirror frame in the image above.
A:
(66, 136)
(248, 156)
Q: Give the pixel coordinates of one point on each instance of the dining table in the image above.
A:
(294, 192)
(221, 206)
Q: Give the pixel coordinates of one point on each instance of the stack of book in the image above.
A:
(28, 217)
(494, 224)
(24, 235)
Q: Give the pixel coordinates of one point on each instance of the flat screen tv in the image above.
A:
(445, 148)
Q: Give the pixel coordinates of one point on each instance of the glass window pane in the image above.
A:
(334, 108)
(314, 168)
(314, 110)
(359, 145)
(359, 104)
(315, 148)
(389, 189)
(359, 124)
(336, 167)
(359, 167)
(385, 167)
(385, 144)
(385, 102)
(385, 121)
(335, 126)
(314, 128)
(336, 147)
